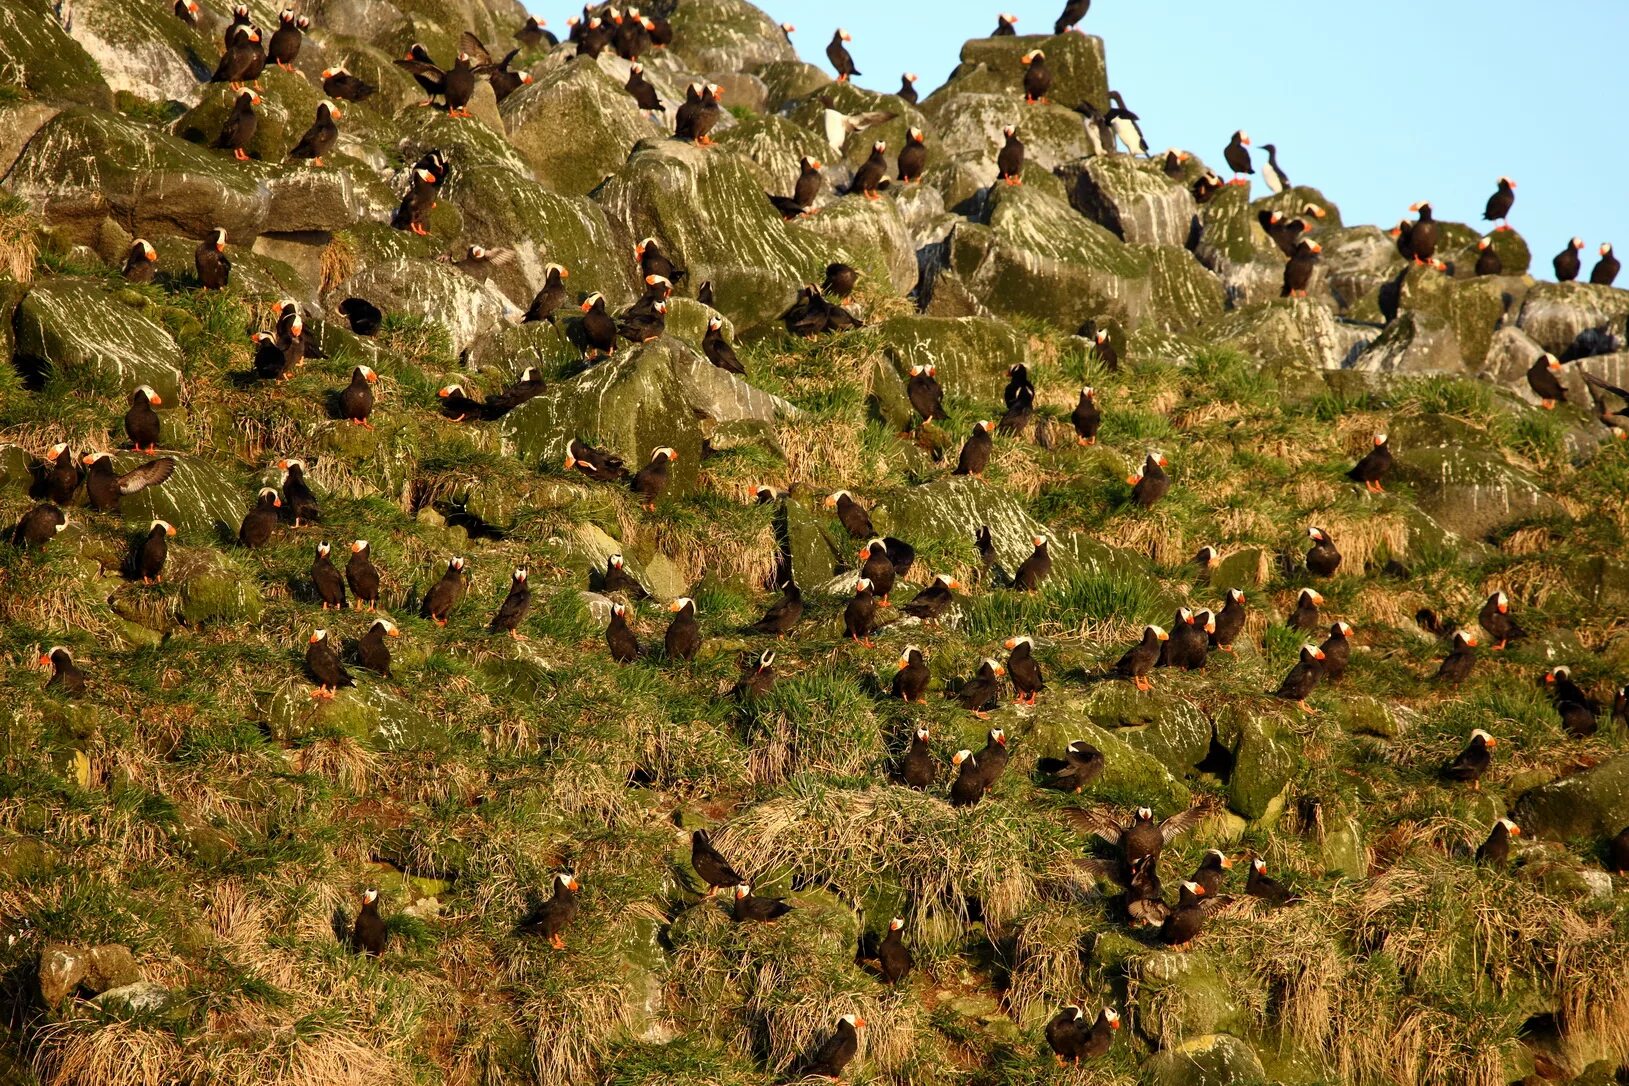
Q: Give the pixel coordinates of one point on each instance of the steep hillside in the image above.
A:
(188, 841)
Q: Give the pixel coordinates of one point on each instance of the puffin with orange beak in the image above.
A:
(256, 529)
(982, 692)
(1037, 78)
(842, 63)
(1499, 204)
(1150, 484)
(917, 768)
(154, 550)
(911, 684)
(320, 138)
(597, 464)
(1303, 677)
(356, 398)
(650, 482)
(913, 157)
(1567, 263)
(1459, 661)
(341, 84)
(1229, 622)
(445, 594)
(872, 176)
(1323, 559)
(210, 260)
(1237, 156)
(1472, 762)
(859, 617)
(1024, 669)
(1542, 379)
(458, 405)
(1010, 159)
(66, 678)
(1374, 466)
(141, 262)
(1299, 268)
(975, 454)
(373, 652)
(933, 600)
(361, 576)
(599, 330)
(683, 639)
(1142, 657)
(878, 567)
(322, 662)
(512, 612)
(551, 918)
(1496, 622)
(838, 1051)
(238, 130)
(1495, 851)
(38, 526)
(1305, 616)
(1187, 920)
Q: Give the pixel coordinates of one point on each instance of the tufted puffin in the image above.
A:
(933, 600)
(1284, 232)
(759, 909)
(893, 957)
(1010, 160)
(760, 680)
(369, 934)
(1187, 920)
(551, 918)
(642, 327)
(141, 421)
(872, 176)
(1303, 677)
(356, 399)
(859, 617)
(1037, 77)
(975, 454)
(1423, 235)
(643, 91)
(322, 662)
(917, 768)
(506, 82)
(284, 46)
(512, 612)
(1322, 559)
(840, 280)
(967, 788)
(339, 83)
(214, 269)
(1024, 669)
(372, 652)
(326, 579)
(981, 693)
(1066, 1035)
(187, 12)
(532, 35)
(1305, 616)
(472, 64)
(1080, 765)
(105, 487)
(361, 576)
(1488, 261)
(1260, 884)
(1542, 379)
(1374, 466)
(243, 59)
(598, 329)
(907, 88)
(1566, 263)
(1606, 269)
(1496, 849)
(597, 464)
(1496, 622)
(710, 864)
(66, 678)
(911, 680)
(299, 503)
(1337, 650)
(620, 638)
(141, 262)
(320, 138)
(1460, 659)
(1498, 208)
(783, 614)
(446, 593)
(1087, 418)
(683, 638)
(1141, 658)
(650, 482)
(1206, 186)
(1173, 163)
(1213, 868)
(913, 157)
(550, 297)
(1618, 853)
(804, 191)
(38, 526)
(1073, 12)
(1150, 484)
(838, 1050)
(1020, 412)
(425, 72)
(1470, 763)
(62, 481)
(417, 202)
(926, 396)
(1238, 157)
(257, 525)
(852, 515)
(1034, 569)
(839, 56)
(1299, 268)
(1189, 640)
(238, 130)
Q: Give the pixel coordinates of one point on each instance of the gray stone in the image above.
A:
(728, 35)
(143, 997)
(1076, 61)
(1554, 315)
(574, 126)
(144, 50)
(37, 53)
(1591, 804)
(1207, 1060)
(93, 339)
(1462, 483)
(874, 236)
(1132, 198)
(1292, 332)
(1415, 343)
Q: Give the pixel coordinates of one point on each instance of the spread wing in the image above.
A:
(1179, 824)
(499, 258)
(470, 45)
(422, 67)
(1595, 382)
(149, 474)
(1100, 821)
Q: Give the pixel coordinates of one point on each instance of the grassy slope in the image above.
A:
(225, 856)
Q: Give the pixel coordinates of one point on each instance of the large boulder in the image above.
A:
(1294, 332)
(1265, 759)
(202, 501)
(1132, 198)
(1040, 258)
(574, 126)
(65, 969)
(1463, 482)
(874, 236)
(1076, 61)
(1473, 308)
(1593, 803)
(709, 213)
(144, 50)
(466, 309)
(1415, 343)
(728, 36)
(1212, 1059)
(94, 339)
(969, 122)
(952, 507)
(1555, 315)
(776, 146)
(971, 354)
(38, 54)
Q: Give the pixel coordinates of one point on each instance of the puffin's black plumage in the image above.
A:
(1142, 657)
(710, 863)
(877, 567)
(1488, 261)
(361, 576)
(749, 907)
(105, 488)
(1495, 851)
(1024, 670)
(356, 398)
(1567, 263)
(1010, 159)
(917, 768)
(323, 665)
(872, 176)
(1150, 484)
(512, 611)
(975, 454)
(1374, 466)
(838, 1051)
(643, 91)
(1087, 417)
(619, 638)
(1605, 272)
(368, 934)
(650, 482)
(339, 83)
(842, 63)
(1037, 77)
(1260, 884)
(859, 617)
(66, 680)
(214, 269)
(1459, 661)
(718, 350)
(683, 638)
(326, 580)
(1237, 156)
(1187, 920)
(551, 918)
(1305, 616)
(911, 684)
(238, 130)
(1304, 677)
(840, 280)
(1337, 650)
(299, 503)
(913, 157)
(38, 526)
(1542, 379)
(321, 137)
(1073, 12)
(373, 652)
(783, 614)
(852, 515)
(141, 422)
(933, 600)
(1080, 765)
(1299, 268)
(967, 788)
(1188, 642)
(446, 593)
(284, 46)
(256, 529)
(1496, 622)
(617, 579)
(597, 464)
(550, 297)
(1499, 204)
(894, 958)
(923, 391)
(598, 329)
(141, 262)
(1229, 621)
(1323, 559)
(1472, 762)
(982, 692)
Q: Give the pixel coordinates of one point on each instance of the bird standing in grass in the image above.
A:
(749, 907)
(917, 768)
(1471, 763)
(1495, 851)
(893, 956)
(512, 612)
(1374, 466)
(154, 550)
(322, 661)
(551, 918)
(368, 935)
(710, 864)
(446, 593)
(1303, 677)
(326, 579)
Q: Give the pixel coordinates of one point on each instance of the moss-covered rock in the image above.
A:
(433, 291)
(1076, 61)
(874, 236)
(1462, 482)
(776, 146)
(219, 591)
(971, 354)
(1414, 343)
(952, 507)
(1265, 760)
(1131, 777)
(1356, 264)
(1216, 1059)
(89, 338)
(1169, 729)
(790, 81)
(1132, 198)
(368, 712)
(1554, 315)
(728, 36)
(144, 50)
(1472, 308)
(574, 126)
(37, 53)
(1291, 333)
(1590, 804)
(1182, 995)
(971, 123)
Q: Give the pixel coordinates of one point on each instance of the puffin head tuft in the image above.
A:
(1309, 649)
(681, 603)
(664, 450)
(742, 890)
(1510, 827)
(766, 659)
(1463, 638)
(862, 585)
(1145, 814)
(567, 880)
(1345, 629)
(369, 896)
(896, 924)
(590, 301)
(788, 28)
(854, 1021)
(1159, 634)
(520, 574)
(1312, 595)
(1009, 131)
(387, 626)
(1606, 248)
(1487, 739)
(995, 669)
(1578, 243)
(961, 756)
(1193, 888)
(318, 636)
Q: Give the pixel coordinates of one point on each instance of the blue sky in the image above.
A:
(1379, 103)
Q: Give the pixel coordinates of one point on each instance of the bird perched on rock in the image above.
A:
(1374, 466)
(38, 526)
(1472, 762)
(141, 423)
(643, 91)
(321, 137)
(1337, 650)
(926, 397)
(1488, 261)
(913, 157)
(1230, 621)
(1303, 677)
(1237, 156)
(244, 57)
(322, 663)
(1323, 559)
(838, 54)
(1037, 77)
(650, 482)
(749, 907)
(417, 202)
(506, 82)
(975, 454)
(717, 349)
(1080, 765)
(1142, 657)
(1189, 641)
(550, 297)
(1150, 484)
(597, 464)
(106, 488)
(907, 88)
(446, 593)
(1034, 569)
(238, 130)
(1499, 204)
(339, 83)
(853, 516)
(710, 864)
(141, 262)
(1496, 849)
(1010, 159)
(1423, 233)
(532, 34)
(63, 478)
(1298, 270)
(551, 918)
(284, 46)
(872, 176)
(968, 786)
(1542, 379)
(1605, 272)
(1567, 264)
(599, 331)
(1277, 180)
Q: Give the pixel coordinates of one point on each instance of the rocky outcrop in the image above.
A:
(1132, 198)
(1590, 804)
(574, 126)
(1076, 61)
(94, 338)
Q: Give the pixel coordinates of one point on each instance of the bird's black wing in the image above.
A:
(149, 474)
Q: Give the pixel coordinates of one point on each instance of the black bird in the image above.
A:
(1018, 384)
(1299, 268)
(141, 262)
(620, 638)
(618, 579)
(550, 298)
(872, 176)
(968, 786)
(320, 138)
(1073, 12)
(425, 72)
(718, 349)
(985, 545)
(1459, 661)
(1337, 650)
(66, 677)
(1498, 209)
(369, 935)
(326, 579)
(505, 82)
(1213, 867)
(1618, 853)
(1303, 677)
(644, 93)
(1616, 421)
(1206, 186)
(187, 12)
(512, 612)
(1472, 762)
(299, 503)
(362, 315)
(446, 593)
(1010, 159)
(1019, 413)
(1488, 261)
(106, 488)
(804, 192)
(1305, 616)
(1187, 920)
(361, 576)
(933, 600)
(238, 130)
(38, 526)
(760, 680)
(1229, 621)
(339, 83)
(642, 327)
(841, 62)
(528, 386)
(1150, 484)
(917, 768)
(1576, 708)
(1374, 466)
(356, 398)
(284, 46)
(1142, 658)
(243, 59)
(650, 482)
(552, 917)
(417, 202)
(154, 550)
(838, 1050)
(1496, 849)
(1189, 640)
(982, 692)
(1087, 418)
(1285, 232)
(531, 33)
(652, 261)
(1566, 263)
(710, 864)
(911, 682)
(597, 464)
(1037, 77)
(1542, 379)
(1496, 622)
(783, 614)
(893, 956)
(62, 481)
(214, 269)
(1024, 670)
(907, 88)
(257, 525)
(473, 63)
(683, 638)
(1260, 884)
(1423, 235)
(1237, 156)
(1005, 26)
(322, 662)
(840, 280)
(372, 652)
(859, 617)
(1605, 272)
(913, 157)
(927, 398)
(761, 909)
(1080, 765)
(599, 330)
(853, 516)
(1322, 559)
(975, 454)
(1103, 349)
